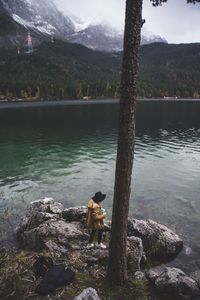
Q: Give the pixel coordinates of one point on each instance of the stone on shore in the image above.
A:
(88, 294)
(135, 253)
(97, 257)
(173, 282)
(75, 214)
(47, 225)
(159, 242)
(44, 228)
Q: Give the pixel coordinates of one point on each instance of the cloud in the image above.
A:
(176, 21)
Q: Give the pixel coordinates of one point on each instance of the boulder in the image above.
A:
(139, 275)
(46, 205)
(135, 253)
(44, 228)
(88, 294)
(40, 211)
(78, 214)
(173, 282)
(75, 214)
(97, 257)
(58, 231)
(159, 242)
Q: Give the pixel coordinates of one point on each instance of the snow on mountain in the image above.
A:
(105, 38)
(42, 15)
(45, 18)
(44, 28)
(98, 37)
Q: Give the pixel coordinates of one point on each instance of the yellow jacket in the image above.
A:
(94, 219)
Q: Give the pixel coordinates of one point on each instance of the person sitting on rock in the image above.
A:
(94, 221)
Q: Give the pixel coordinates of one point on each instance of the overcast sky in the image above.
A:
(176, 21)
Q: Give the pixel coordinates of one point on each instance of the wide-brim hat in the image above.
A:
(99, 197)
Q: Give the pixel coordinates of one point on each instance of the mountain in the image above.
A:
(105, 38)
(99, 37)
(44, 20)
(66, 70)
(42, 16)
(170, 69)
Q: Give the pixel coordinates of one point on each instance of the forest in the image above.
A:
(62, 70)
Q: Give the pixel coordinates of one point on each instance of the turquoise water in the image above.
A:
(69, 153)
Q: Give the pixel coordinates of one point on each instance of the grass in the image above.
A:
(132, 290)
(18, 281)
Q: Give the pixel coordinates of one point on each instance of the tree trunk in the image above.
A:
(117, 270)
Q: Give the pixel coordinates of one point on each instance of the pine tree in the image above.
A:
(117, 270)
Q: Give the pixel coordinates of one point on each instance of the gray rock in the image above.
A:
(75, 214)
(173, 282)
(58, 231)
(44, 228)
(135, 253)
(40, 211)
(78, 214)
(97, 257)
(159, 242)
(55, 249)
(88, 294)
(139, 275)
(46, 205)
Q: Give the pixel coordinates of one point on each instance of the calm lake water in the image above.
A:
(69, 153)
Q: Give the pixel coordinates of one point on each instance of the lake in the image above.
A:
(68, 153)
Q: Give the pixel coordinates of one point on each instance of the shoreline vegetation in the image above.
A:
(17, 103)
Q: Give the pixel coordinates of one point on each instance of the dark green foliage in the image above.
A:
(59, 70)
(169, 70)
(64, 70)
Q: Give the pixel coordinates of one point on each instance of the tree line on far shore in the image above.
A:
(103, 90)
(68, 71)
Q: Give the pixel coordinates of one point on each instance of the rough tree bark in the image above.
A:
(117, 269)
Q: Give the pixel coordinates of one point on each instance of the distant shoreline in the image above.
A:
(50, 103)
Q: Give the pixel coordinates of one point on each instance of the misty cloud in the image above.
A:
(176, 21)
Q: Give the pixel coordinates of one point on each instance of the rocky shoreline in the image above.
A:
(48, 228)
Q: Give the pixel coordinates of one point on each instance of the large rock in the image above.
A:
(173, 282)
(135, 253)
(44, 228)
(45, 205)
(159, 242)
(88, 294)
(40, 211)
(75, 214)
(78, 214)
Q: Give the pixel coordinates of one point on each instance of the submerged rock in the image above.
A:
(173, 282)
(88, 294)
(159, 242)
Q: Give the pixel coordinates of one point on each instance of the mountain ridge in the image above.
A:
(46, 20)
